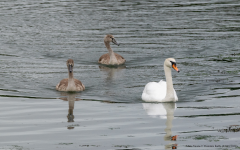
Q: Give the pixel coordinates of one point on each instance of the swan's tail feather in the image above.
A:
(160, 81)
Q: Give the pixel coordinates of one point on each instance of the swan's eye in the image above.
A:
(173, 63)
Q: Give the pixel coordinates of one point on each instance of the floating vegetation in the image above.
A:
(234, 54)
(123, 146)
(234, 57)
(114, 128)
(206, 137)
(73, 125)
(231, 128)
(212, 107)
(65, 143)
(233, 72)
(14, 147)
(202, 56)
(227, 96)
(197, 74)
(192, 64)
(148, 144)
(230, 88)
(229, 72)
(229, 114)
(89, 145)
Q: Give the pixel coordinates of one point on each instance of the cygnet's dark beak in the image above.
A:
(70, 68)
(115, 42)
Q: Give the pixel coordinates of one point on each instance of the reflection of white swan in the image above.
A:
(163, 111)
(162, 91)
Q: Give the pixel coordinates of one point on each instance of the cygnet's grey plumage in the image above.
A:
(70, 83)
(111, 58)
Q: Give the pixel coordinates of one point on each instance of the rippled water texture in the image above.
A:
(37, 38)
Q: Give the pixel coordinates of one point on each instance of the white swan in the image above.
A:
(162, 91)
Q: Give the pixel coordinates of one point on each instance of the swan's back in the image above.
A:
(63, 84)
(79, 85)
(156, 92)
(105, 58)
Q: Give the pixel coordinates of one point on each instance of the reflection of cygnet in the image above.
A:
(114, 72)
(161, 110)
(70, 115)
(71, 98)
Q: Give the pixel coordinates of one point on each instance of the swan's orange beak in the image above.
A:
(175, 67)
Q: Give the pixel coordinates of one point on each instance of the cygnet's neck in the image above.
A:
(170, 90)
(70, 75)
(113, 59)
(71, 84)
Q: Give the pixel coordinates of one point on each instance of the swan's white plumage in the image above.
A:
(162, 91)
(156, 92)
(162, 110)
(155, 110)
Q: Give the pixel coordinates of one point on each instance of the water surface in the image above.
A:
(37, 38)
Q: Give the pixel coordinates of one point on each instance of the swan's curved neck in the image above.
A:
(113, 59)
(170, 90)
